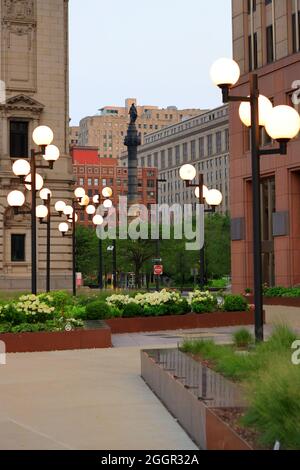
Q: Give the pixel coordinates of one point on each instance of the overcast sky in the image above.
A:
(158, 51)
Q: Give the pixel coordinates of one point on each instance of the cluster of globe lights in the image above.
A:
(84, 200)
(213, 197)
(42, 137)
(282, 123)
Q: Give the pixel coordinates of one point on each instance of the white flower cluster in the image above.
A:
(150, 298)
(118, 300)
(32, 305)
(200, 296)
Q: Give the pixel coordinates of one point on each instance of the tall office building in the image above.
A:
(108, 129)
(266, 40)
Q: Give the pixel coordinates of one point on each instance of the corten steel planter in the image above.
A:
(192, 393)
(180, 322)
(57, 341)
(278, 301)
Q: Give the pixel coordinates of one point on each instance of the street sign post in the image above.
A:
(158, 270)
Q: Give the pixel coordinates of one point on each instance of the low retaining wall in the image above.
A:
(180, 322)
(57, 341)
(278, 301)
(199, 420)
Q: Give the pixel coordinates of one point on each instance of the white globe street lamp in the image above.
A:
(60, 206)
(63, 228)
(283, 123)
(90, 210)
(225, 72)
(84, 201)
(41, 212)
(96, 199)
(51, 154)
(39, 182)
(79, 193)
(107, 204)
(21, 168)
(204, 193)
(187, 172)
(107, 192)
(264, 109)
(214, 198)
(16, 199)
(98, 220)
(68, 210)
(44, 193)
(42, 136)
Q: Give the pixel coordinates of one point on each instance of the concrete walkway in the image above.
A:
(91, 399)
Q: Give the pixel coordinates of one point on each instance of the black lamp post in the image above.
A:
(42, 136)
(282, 123)
(158, 181)
(79, 203)
(212, 197)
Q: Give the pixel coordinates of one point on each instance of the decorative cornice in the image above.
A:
(22, 102)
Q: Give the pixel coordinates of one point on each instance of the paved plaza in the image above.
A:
(91, 399)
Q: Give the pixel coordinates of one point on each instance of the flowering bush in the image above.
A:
(202, 302)
(119, 301)
(35, 308)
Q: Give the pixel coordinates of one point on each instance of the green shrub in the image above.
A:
(115, 312)
(235, 303)
(281, 291)
(9, 314)
(203, 302)
(132, 310)
(243, 338)
(274, 404)
(75, 311)
(5, 327)
(97, 311)
(155, 310)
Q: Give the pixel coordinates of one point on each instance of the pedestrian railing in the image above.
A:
(208, 386)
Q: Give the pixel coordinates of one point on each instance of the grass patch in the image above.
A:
(271, 381)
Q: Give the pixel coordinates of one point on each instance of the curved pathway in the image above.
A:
(92, 399)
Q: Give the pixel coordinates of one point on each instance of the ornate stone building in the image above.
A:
(34, 79)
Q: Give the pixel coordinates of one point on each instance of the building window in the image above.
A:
(156, 160)
(170, 158)
(219, 142)
(193, 150)
(270, 44)
(251, 6)
(252, 52)
(89, 181)
(177, 155)
(81, 181)
(185, 151)
(163, 159)
(150, 184)
(149, 160)
(201, 147)
(18, 139)
(96, 182)
(209, 145)
(103, 182)
(226, 139)
(296, 32)
(17, 248)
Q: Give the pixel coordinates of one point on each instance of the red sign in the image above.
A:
(158, 270)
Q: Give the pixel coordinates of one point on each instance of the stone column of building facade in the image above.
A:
(34, 72)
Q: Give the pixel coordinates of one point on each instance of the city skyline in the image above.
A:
(117, 64)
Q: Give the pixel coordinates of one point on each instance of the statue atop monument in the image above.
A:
(133, 114)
